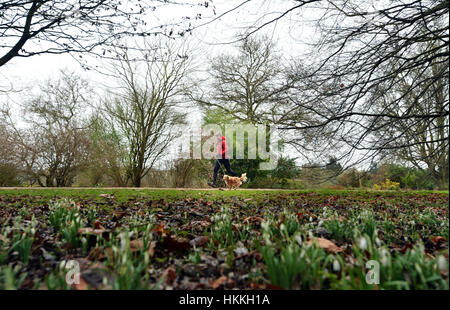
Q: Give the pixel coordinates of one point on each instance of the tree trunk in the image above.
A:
(137, 180)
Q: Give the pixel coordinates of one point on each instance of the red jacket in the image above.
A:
(222, 149)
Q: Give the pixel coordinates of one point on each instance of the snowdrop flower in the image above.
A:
(384, 257)
(378, 241)
(282, 227)
(62, 264)
(123, 242)
(320, 223)
(302, 254)
(310, 219)
(265, 225)
(442, 263)
(298, 238)
(336, 265)
(124, 259)
(290, 249)
(267, 240)
(362, 243)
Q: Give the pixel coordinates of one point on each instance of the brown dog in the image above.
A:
(234, 182)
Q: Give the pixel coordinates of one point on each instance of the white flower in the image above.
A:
(265, 225)
(378, 241)
(442, 263)
(310, 219)
(298, 238)
(267, 240)
(336, 265)
(282, 227)
(384, 257)
(123, 243)
(362, 243)
(320, 223)
(302, 254)
(62, 264)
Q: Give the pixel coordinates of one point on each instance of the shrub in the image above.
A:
(9, 175)
(387, 185)
(349, 178)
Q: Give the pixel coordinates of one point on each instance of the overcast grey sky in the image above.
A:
(208, 40)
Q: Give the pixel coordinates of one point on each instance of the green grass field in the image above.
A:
(215, 239)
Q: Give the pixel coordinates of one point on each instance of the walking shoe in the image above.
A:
(212, 184)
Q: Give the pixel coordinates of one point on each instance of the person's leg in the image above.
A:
(216, 169)
(226, 163)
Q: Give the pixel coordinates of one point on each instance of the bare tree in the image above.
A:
(409, 135)
(247, 86)
(145, 113)
(107, 153)
(364, 49)
(80, 26)
(53, 148)
(189, 172)
(10, 167)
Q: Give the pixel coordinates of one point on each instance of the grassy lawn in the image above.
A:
(214, 239)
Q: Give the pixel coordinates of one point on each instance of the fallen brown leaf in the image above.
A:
(107, 196)
(175, 245)
(96, 254)
(88, 230)
(199, 241)
(169, 275)
(97, 225)
(255, 219)
(326, 244)
(218, 282)
(437, 239)
(201, 223)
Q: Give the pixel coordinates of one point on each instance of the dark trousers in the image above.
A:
(225, 162)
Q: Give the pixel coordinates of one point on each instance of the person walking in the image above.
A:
(222, 159)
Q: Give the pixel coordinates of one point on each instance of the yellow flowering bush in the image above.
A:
(387, 185)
